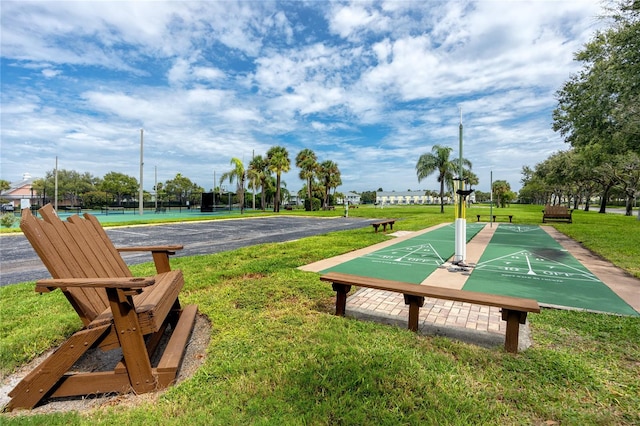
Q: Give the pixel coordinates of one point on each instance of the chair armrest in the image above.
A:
(169, 249)
(160, 254)
(117, 283)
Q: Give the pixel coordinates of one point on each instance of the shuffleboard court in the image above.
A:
(525, 261)
(411, 260)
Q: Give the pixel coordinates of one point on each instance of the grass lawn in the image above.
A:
(278, 356)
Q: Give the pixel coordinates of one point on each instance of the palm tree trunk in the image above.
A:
(276, 203)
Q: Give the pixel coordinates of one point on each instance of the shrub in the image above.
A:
(7, 220)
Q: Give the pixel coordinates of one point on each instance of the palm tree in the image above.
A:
(278, 159)
(307, 162)
(238, 174)
(336, 181)
(438, 160)
(329, 175)
(258, 173)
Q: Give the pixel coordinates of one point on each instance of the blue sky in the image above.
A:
(371, 85)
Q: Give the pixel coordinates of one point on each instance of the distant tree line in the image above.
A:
(114, 189)
(319, 178)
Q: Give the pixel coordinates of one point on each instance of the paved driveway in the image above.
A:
(19, 262)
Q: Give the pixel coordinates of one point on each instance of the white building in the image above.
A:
(407, 198)
(352, 197)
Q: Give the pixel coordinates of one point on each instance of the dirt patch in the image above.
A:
(96, 360)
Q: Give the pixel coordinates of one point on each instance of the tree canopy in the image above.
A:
(181, 188)
(598, 109)
(120, 185)
(601, 103)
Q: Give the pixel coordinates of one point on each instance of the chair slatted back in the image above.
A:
(76, 248)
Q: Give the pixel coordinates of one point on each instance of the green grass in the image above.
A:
(278, 356)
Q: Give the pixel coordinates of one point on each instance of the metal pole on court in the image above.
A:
(491, 199)
(461, 221)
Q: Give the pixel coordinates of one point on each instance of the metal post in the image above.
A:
(491, 198)
(55, 186)
(141, 191)
(155, 185)
(461, 222)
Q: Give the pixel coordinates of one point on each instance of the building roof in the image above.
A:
(19, 188)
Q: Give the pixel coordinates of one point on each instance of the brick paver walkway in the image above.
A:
(435, 311)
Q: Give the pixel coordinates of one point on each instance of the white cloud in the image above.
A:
(371, 85)
(351, 19)
(208, 73)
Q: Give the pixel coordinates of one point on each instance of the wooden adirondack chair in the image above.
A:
(117, 309)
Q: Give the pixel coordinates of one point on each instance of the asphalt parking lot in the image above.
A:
(19, 262)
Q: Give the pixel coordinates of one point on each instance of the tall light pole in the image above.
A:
(55, 187)
(141, 191)
(155, 185)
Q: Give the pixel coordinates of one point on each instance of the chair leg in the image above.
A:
(134, 350)
(40, 381)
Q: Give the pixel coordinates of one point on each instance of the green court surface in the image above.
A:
(525, 261)
(133, 215)
(411, 260)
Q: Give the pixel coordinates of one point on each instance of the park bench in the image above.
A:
(106, 210)
(384, 224)
(514, 309)
(118, 311)
(495, 216)
(557, 213)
